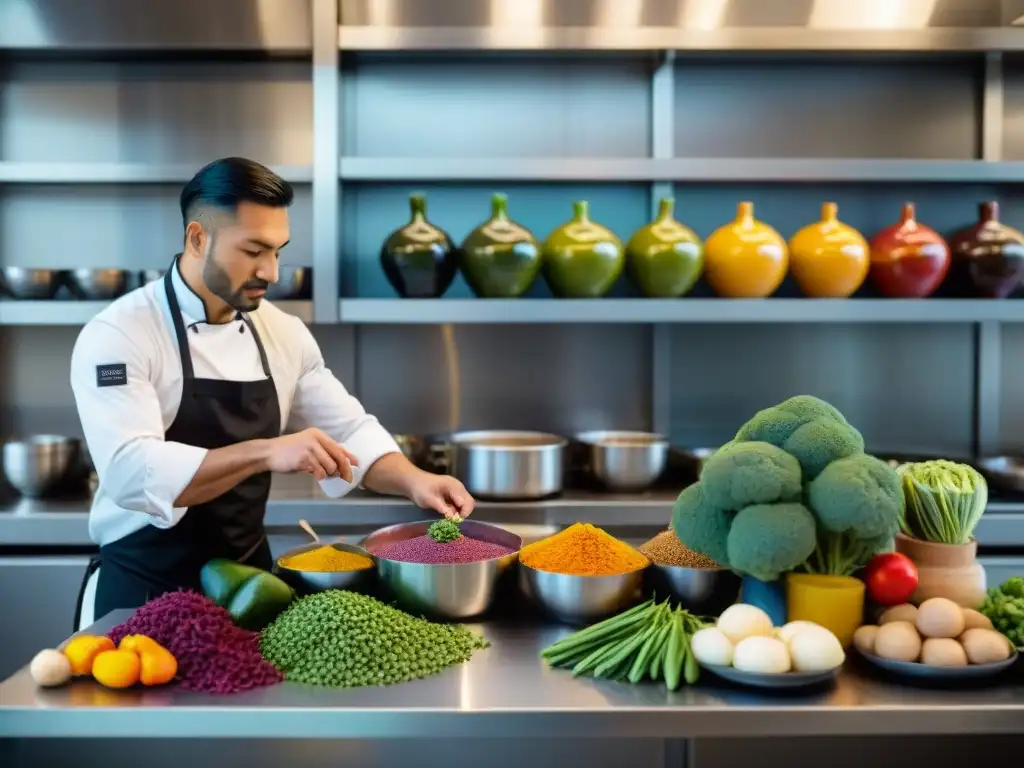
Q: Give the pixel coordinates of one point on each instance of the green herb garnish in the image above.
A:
(444, 531)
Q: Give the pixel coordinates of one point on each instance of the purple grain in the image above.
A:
(423, 549)
(214, 656)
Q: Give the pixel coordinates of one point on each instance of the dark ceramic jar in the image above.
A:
(988, 257)
(500, 259)
(908, 259)
(419, 259)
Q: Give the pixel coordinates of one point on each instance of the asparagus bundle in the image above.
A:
(651, 640)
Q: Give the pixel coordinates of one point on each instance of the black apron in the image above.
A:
(212, 414)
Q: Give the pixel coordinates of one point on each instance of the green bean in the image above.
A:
(581, 650)
(691, 671)
(623, 653)
(594, 658)
(674, 655)
(643, 659)
(658, 656)
(630, 618)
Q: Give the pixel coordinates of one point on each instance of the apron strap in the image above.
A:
(259, 344)
(90, 569)
(187, 371)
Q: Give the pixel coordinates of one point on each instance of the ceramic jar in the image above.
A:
(829, 259)
(833, 602)
(945, 570)
(988, 257)
(746, 258)
(908, 259)
(664, 258)
(582, 259)
(419, 259)
(500, 259)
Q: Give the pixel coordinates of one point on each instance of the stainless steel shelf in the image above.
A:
(684, 310)
(119, 173)
(622, 38)
(643, 169)
(80, 312)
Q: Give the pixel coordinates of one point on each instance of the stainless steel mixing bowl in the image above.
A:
(701, 591)
(318, 581)
(625, 461)
(98, 284)
(30, 284)
(454, 592)
(504, 464)
(38, 466)
(580, 599)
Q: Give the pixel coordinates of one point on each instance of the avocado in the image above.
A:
(259, 601)
(222, 578)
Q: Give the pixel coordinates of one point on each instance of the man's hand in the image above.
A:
(310, 451)
(441, 493)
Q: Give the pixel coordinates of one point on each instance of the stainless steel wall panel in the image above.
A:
(1013, 105)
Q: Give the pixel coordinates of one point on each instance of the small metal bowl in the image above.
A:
(625, 461)
(292, 283)
(30, 284)
(701, 591)
(1005, 473)
(98, 284)
(578, 600)
(455, 592)
(318, 581)
(40, 466)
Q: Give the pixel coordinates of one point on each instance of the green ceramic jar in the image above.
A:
(419, 259)
(582, 259)
(664, 258)
(500, 259)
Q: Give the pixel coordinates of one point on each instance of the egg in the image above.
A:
(943, 652)
(864, 638)
(899, 641)
(975, 619)
(786, 632)
(766, 655)
(50, 668)
(940, 617)
(741, 621)
(711, 646)
(905, 612)
(815, 649)
(985, 646)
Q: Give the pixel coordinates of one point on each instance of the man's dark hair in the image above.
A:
(225, 183)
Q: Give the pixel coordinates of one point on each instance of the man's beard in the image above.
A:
(219, 284)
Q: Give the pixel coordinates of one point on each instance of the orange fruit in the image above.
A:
(117, 669)
(82, 650)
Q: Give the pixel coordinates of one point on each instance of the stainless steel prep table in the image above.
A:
(505, 691)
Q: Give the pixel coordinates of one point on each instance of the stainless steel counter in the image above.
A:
(506, 691)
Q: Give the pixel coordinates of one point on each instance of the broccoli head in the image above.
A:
(701, 526)
(767, 540)
(860, 496)
(750, 473)
(809, 429)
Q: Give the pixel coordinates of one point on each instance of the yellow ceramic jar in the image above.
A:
(834, 602)
(746, 258)
(829, 259)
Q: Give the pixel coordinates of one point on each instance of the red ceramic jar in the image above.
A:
(988, 257)
(908, 260)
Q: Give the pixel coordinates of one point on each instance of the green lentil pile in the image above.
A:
(347, 640)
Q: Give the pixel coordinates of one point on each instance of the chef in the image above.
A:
(184, 388)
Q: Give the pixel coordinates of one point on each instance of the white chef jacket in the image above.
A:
(141, 474)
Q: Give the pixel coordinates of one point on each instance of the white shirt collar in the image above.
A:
(192, 308)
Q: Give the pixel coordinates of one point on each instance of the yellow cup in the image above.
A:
(834, 602)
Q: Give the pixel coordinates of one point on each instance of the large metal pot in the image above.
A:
(625, 461)
(506, 465)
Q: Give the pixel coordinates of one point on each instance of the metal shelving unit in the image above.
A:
(80, 312)
(119, 173)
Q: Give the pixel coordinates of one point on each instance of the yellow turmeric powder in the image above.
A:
(582, 550)
(327, 560)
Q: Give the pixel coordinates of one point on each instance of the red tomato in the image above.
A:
(891, 578)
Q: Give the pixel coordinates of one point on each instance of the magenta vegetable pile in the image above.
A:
(214, 655)
(424, 549)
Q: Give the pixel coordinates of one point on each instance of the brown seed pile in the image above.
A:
(667, 549)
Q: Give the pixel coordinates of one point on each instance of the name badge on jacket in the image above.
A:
(112, 375)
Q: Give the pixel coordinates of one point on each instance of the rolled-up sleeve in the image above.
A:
(322, 401)
(124, 430)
